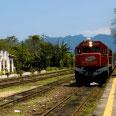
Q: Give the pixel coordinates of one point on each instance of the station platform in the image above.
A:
(107, 104)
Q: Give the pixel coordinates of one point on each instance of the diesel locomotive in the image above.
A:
(93, 62)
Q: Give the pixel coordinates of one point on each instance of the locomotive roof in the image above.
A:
(95, 43)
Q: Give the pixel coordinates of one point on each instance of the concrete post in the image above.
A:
(3, 64)
(8, 65)
(12, 65)
(0, 65)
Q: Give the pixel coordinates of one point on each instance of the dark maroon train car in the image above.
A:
(93, 62)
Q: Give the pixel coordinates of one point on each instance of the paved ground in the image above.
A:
(107, 103)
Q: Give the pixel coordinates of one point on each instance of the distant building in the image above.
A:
(6, 62)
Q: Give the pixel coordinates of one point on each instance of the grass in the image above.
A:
(29, 104)
(93, 102)
(27, 86)
(50, 69)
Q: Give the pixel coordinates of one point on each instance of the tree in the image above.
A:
(35, 54)
(7, 43)
(33, 43)
(113, 27)
(3, 45)
(22, 57)
(12, 40)
(60, 55)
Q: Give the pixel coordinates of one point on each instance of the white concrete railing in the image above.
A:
(23, 75)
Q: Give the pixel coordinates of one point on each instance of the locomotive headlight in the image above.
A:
(90, 43)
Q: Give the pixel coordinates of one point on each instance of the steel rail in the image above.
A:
(60, 105)
(32, 92)
(57, 105)
(28, 76)
(80, 108)
(31, 79)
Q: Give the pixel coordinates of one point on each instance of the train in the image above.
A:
(93, 62)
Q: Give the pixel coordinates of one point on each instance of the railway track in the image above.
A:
(21, 80)
(77, 106)
(72, 105)
(79, 110)
(32, 92)
(84, 103)
(56, 106)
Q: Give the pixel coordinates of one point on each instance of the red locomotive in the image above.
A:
(93, 62)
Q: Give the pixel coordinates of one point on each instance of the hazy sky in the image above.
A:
(55, 17)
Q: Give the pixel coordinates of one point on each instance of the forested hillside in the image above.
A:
(72, 41)
(36, 54)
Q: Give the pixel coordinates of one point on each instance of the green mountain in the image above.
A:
(73, 41)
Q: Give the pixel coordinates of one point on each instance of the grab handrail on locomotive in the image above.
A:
(93, 62)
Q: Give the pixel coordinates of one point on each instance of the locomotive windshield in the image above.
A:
(90, 49)
(95, 49)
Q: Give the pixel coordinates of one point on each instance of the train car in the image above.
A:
(93, 62)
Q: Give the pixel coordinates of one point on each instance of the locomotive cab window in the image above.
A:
(90, 49)
(86, 49)
(95, 49)
(104, 51)
(77, 51)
